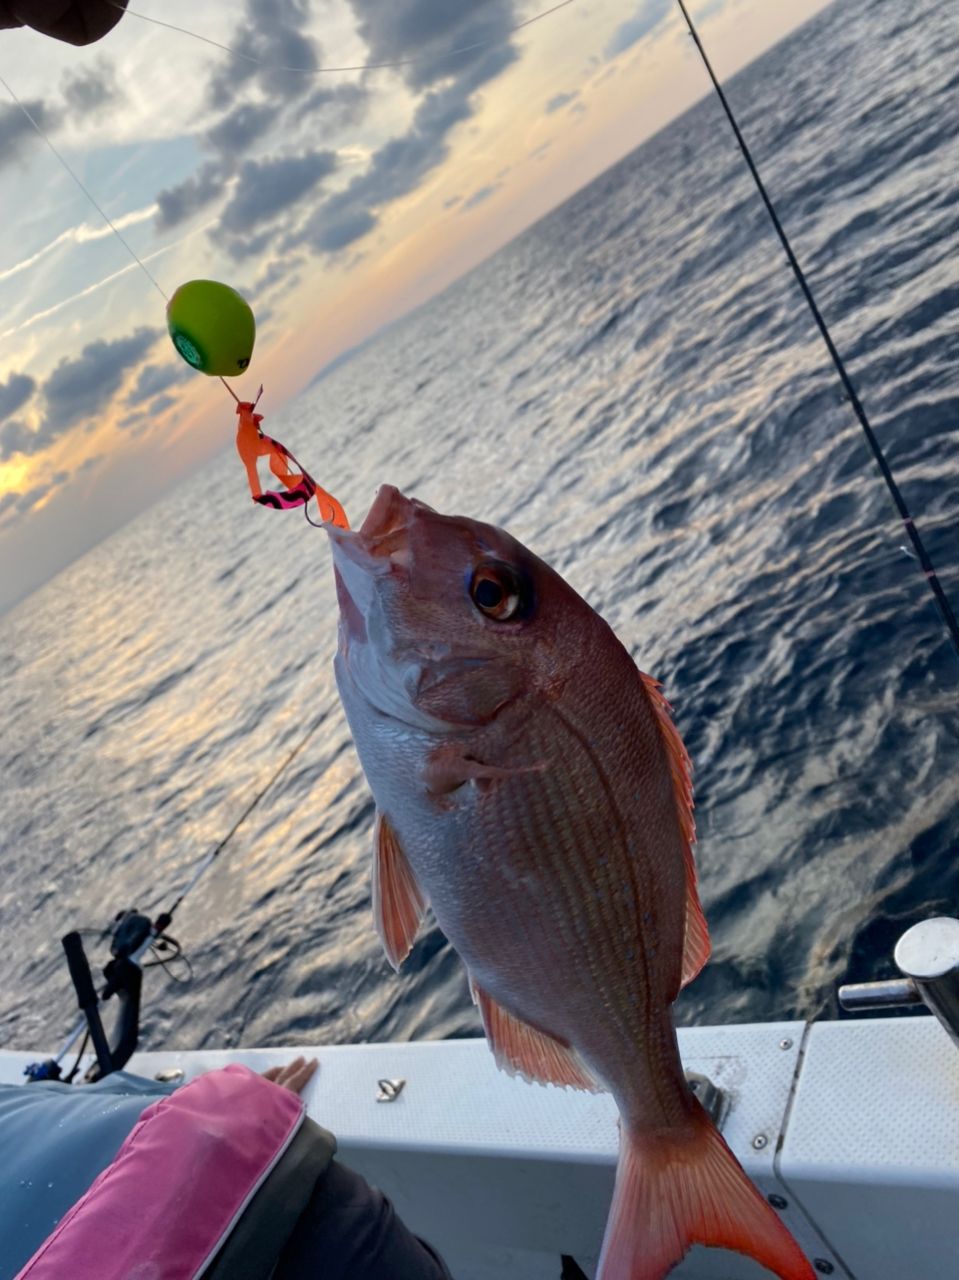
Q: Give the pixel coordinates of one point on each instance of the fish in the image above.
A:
(532, 790)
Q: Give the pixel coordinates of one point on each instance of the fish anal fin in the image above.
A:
(696, 943)
(520, 1049)
(399, 903)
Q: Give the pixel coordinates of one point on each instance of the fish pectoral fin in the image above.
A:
(520, 1049)
(450, 767)
(399, 903)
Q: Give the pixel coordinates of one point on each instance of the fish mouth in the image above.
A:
(362, 559)
(382, 535)
(391, 513)
(361, 556)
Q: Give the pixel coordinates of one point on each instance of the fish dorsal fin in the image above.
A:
(399, 903)
(520, 1049)
(696, 944)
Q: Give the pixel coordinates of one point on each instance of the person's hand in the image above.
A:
(294, 1076)
(75, 21)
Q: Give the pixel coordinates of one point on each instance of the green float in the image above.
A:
(212, 327)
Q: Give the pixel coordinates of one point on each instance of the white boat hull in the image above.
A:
(854, 1125)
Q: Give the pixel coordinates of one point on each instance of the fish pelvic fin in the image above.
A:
(520, 1049)
(399, 903)
(677, 1188)
(696, 945)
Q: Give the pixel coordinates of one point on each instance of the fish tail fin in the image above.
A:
(686, 1187)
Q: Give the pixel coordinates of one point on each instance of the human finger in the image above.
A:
(296, 1075)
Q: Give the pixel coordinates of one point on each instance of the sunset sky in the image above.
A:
(334, 202)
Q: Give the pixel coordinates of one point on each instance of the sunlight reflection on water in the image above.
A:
(635, 391)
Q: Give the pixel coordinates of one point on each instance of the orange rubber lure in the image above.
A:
(298, 485)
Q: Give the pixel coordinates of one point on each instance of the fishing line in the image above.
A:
(921, 554)
(100, 210)
(166, 917)
(76, 178)
(363, 66)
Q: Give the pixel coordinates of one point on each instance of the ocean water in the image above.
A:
(635, 389)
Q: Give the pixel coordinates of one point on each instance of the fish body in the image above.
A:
(531, 788)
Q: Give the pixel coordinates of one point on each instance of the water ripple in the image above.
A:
(635, 388)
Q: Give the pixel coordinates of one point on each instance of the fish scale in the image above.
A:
(598, 934)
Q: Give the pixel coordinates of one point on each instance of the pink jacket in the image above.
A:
(178, 1185)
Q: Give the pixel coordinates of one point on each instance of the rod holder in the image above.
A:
(927, 956)
(87, 997)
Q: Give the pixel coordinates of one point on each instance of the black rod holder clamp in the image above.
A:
(87, 998)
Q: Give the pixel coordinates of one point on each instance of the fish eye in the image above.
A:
(497, 591)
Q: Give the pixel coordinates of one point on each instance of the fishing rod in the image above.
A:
(133, 936)
(912, 532)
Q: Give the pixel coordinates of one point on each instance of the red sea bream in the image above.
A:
(532, 789)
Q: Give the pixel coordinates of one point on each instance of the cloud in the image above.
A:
(16, 131)
(280, 269)
(81, 388)
(141, 417)
(14, 393)
(538, 153)
(340, 108)
(479, 196)
(245, 246)
(8, 503)
(451, 202)
(647, 18)
(15, 438)
(14, 505)
(155, 378)
(256, 100)
(241, 126)
(266, 188)
(176, 204)
(278, 94)
(46, 312)
(560, 100)
(429, 30)
(338, 223)
(77, 236)
(88, 92)
(32, 496)
(275, 35)
(160, 404)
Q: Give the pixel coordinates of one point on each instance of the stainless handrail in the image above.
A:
(927, 955)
